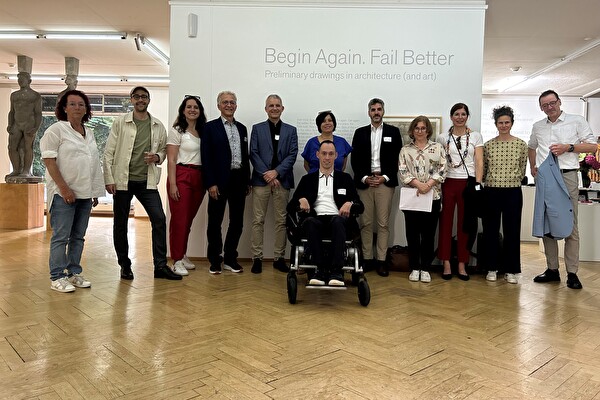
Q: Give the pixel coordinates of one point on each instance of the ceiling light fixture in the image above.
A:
(63, 35)
(566, 59)
(142, 43)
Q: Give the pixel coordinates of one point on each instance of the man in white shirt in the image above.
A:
(328, 199)
(565, 135)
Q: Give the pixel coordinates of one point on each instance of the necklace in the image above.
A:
(458, 146)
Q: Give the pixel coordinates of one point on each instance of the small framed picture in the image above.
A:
(403, 123)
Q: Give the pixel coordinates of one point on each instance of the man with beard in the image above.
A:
(134, 149)
(375, 151)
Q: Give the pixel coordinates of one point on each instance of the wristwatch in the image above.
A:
(571, 148)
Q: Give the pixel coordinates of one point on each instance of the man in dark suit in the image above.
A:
(226, 168)
(329, 199)
(375, 150)
(273, 151)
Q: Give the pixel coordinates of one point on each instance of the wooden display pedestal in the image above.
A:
(21, 205)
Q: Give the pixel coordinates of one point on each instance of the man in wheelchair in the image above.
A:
(326, 200)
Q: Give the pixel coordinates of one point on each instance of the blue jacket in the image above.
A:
(261, 153)
(553, 211)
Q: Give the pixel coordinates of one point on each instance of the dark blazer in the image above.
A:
(343, 191)
(216, 154)
(553, 210)
(261, 153)
(391, 143)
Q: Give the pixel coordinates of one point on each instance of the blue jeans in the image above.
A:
(69, 223)
(150, 200)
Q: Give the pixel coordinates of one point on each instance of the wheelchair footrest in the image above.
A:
(326, 287)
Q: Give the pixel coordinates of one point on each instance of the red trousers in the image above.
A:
(452, 197)
(191, 193)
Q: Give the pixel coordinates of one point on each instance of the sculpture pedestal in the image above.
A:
(21, 206)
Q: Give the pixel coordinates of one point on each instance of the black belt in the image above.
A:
(192, 166)
(564, 171)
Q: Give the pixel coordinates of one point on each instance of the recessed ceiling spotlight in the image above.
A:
(515, 69)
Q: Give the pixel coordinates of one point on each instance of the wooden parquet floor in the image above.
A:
(237, 337)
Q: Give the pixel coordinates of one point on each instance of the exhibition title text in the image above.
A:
(382, 57)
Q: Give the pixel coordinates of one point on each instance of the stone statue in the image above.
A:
(71, 82)
(71, 72)
(24, 120)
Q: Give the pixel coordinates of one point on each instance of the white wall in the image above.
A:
(258, 48)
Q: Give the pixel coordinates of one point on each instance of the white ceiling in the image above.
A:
(530, 34)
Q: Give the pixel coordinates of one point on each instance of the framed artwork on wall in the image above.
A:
(403, 123)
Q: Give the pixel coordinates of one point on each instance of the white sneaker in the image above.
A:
(78, 280)
(425, 277)
(414, 275)
(511, 278)
(179, 269)
(492, 276)
(62, 285)
(187, 263)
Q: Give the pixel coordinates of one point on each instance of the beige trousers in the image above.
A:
(260, 203)
(378, 204)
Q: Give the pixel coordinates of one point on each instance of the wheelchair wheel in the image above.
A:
(292, 287)
(364, 293)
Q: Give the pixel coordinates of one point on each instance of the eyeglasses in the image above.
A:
(458, 144)
(324, 112)
(550, 104)
(228, 102)
(421, 129)
(191, 96)
(140, 96)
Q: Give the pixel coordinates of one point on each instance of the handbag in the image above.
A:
(396, 259)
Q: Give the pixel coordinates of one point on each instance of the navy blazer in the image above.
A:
(343, 191)
(261, 153)
(216, 154)
(389, 151)
(553, 210)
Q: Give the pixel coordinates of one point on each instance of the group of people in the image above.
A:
(463, 174)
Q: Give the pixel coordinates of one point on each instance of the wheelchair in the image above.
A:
(299, 260)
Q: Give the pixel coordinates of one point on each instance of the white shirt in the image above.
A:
(475, 140)
(325, 203)
(376, 147)
(77, 159)
(567, 129)
(189, 147)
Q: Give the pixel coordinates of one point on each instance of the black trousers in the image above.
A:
(233, 193)
(503, 204)
(150, 200)
(326, 227)
(420, 234)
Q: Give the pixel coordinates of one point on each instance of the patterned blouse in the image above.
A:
(504, 162)
(429, 163)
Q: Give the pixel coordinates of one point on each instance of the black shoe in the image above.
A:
(233, 266)
(464, 277)
(318, 279)
(573, 281)
(368, 265)
(215, 269)
(126, 273)
(382, 269)
(447, 277)
(165, 272)
(549, 275)
(280, 265)
(256, 266)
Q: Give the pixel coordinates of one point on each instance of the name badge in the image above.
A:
(276, 137)
(342, 191)
(387, 139)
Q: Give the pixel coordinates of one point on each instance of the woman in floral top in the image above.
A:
(422, 166)
(505, 160)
